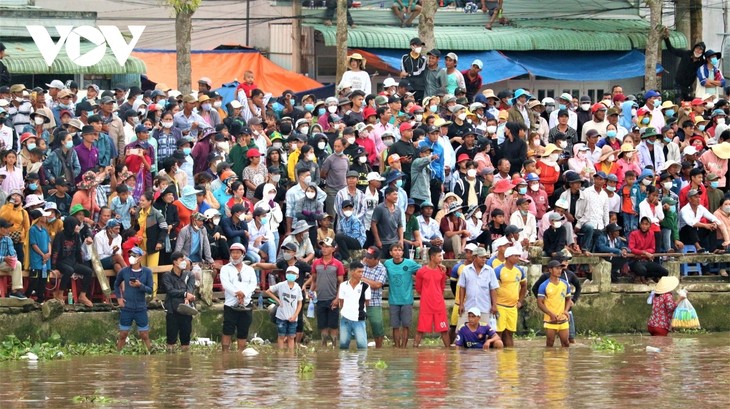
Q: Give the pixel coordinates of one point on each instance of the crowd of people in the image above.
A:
(431, 163)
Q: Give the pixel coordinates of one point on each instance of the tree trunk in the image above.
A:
(425, 23)
(695, 16)
(341, 39)
(296, 34)
(183, 30)
(681, 18)
(652, 44)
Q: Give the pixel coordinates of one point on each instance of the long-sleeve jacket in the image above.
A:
(639, 242)
(603, 245)
(54, 164)
(185, 241)
(233, 230)
(175, 288)
(687, 68)
(156, 230)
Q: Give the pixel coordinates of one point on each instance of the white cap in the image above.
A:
(235, 104)
(512, 251)
(475, 311)
(669, 163)
(689, 150)
(471, 247)
(502, 241)
(374, 176)
(58, 84)
(548, 100)
(293, 269)
(211, 213)
(389, 82)
(453, 56)
(174, 93)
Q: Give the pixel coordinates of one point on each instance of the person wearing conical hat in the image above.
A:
(663, 305)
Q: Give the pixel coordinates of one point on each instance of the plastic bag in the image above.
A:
(310, 309)
(685, 316)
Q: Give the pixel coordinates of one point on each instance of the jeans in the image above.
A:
(276, 241)
(631, 222)
(253, 255)
(571, 331)
(355, 329)
(588, 232)
(269, 248)
(666, 242)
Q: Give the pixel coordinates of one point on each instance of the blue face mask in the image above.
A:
(399, 183)
(187, 151)
(669, 112)
(645, 120)
(33, 186)
(291, 101)
(309, 107)
(291, 277)
(457, 214)
(433, 108)
(522, 190)
(563, 107)
(264, 220)
(701, 127)
(714, 61)
(321, 111)
(611, 134)
(667, 140)
(89, 113)
(51, 219)
(69, 144)
(714, 184)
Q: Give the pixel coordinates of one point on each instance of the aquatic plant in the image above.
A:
(607, 344)
(305, 367)
(96, 399)
(380, 364)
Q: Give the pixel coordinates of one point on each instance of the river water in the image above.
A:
(689, 370)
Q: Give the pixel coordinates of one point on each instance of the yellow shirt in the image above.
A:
(510, 280)
(18, 217)
(494, 262)
(142, 220)
(554, 296)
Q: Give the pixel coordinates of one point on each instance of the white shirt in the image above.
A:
(231, 285)
(529, 227)
(449, 153)
(598, 126)
(103, 248)
(475, 229)
(254, 233)
(657, 117)
(371, 200)
(351, 300)
(430, 230)
(359, 80)
(6, 136)
(645, 211)
(572, 119)
(592, 207)
(614, 203)
(688, 217)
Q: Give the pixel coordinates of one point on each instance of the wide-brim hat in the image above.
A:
(46, 119)
(393, 175)
(550, 148)
(666, 284)
(33, 200)
(488, 93)
(502, 186)
(357, 56)
(299, 227)
(87, 181)
(454, 195)
(606, 151)
(78, 208)
(721, 150)
(627, 147)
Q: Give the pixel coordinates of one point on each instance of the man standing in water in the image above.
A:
(430, 283)
(375, 276)
(133, 283)
(510, 295)
(179, 289)
(327, 274)
(400, 293)
(553, 298)
(239, 283)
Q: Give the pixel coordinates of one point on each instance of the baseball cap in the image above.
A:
(474, 311)
(374, 176)
(512, 251)
(372, 253)
(327, 241)
(471, 247)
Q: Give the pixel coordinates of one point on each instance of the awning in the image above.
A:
(23, 57)
(522, 35)
(582, 66)
(223, 67)
(496, 66)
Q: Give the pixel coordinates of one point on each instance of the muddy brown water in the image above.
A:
(689, 370)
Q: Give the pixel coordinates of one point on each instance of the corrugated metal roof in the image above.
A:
(523, 35)
(23, 57)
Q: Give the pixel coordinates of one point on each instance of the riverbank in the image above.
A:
(611, 313)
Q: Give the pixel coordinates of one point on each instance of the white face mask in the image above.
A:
(217, 104)
(304, 130)
(206, 107)
(721, 121)
(275, 178)
(419, 117)
(276, 145)
(132, 260)
(646, 182)
(224, 146)
(39, 121)
(726, 209)
(562, 144)
(388, 142)
(535, 187)
(167, 124)
(417, 50)
(491, 129)
(462, 116)
(311, 195)
(585, 107)
(347, 213)
(629, 155)
(667, 185)
(270, 196)
(362, 159)
(471, 173)
(554, 157)
(310, 156)
(557, 225)
(332, 109)
(351, 140)
(183, 265)
(611, 158)
(321, 145)
(216, 221)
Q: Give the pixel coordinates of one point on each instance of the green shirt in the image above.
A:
(400, 279)
(411, 226)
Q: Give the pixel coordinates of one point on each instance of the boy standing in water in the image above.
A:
(554, 299)
(430, 283)
(400, 297)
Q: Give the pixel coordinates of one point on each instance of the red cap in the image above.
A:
(25, 136)
(462, 157)
(697, 102)
(597, 107)
(368, 112)
(642, 112)
(405, 126)
(502, 186)
(65, 112)
(415, 108)
(253, 152)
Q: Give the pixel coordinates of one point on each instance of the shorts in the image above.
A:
(400, 315)
(286, 328)
(236, 322)
(412, 7)
(558, 327)
(107, 263)
(375, 318)
(506, 318)
(432, 321)
(658, 331)
(492, 7)
(327, 317)
(139, 317)
(454, 318)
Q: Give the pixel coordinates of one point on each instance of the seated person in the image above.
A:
(554, 237)
(475, 334)
(610, 241)
(643, 246)
(108, 243)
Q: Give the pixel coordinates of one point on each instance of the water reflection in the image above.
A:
(688, 369)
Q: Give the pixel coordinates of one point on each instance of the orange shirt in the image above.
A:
(548, 176)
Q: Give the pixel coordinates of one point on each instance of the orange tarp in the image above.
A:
(225, 66)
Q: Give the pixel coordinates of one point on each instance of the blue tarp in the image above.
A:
(228, 92)
(581, 66)
(496, 66)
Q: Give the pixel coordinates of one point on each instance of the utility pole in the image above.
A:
(652, 44)
(695, 16)
(341, 39)
(248, 20)
(296, 34)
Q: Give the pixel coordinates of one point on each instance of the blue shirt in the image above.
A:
(195, 245)
(106, 149)
(6, 247)
(122, 209)
(40, 237)
(352, 227)
(436, 166)
(400, 279)
(467, 338)
(134, 297)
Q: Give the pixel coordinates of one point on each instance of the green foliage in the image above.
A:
(607, 344)
(95, 399)
(380, 364)
(529, 335)
(306, 367)
(184, 6)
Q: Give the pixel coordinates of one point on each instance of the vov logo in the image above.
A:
(71, 37)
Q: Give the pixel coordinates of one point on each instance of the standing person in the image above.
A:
(40, 255)
(554, 299)
(4, 73)
(435, 76)
(334, 171)
(475, 334)
(400, 293)
(477, 287)
(180, 289)
(375, 275)
(239, 283)
(353, 297)
(387, 222)
(510, 295)
(133, 283)
(663, 306)
(288, 296)
(327, 274)
(689, 62)
(413, 66)
(430, 284)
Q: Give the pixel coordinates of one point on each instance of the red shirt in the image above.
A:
(430, 283)
(662, 310)
(683, 199)
(640, 242)
(246, 87)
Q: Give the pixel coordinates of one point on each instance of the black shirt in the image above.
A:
(416, 69)
(404, 149)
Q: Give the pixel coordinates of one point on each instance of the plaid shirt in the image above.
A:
(379, 274)
(352, 227)
(166, 143)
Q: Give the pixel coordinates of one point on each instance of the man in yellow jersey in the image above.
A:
(499, 246)
(553, 298)
(510, 295)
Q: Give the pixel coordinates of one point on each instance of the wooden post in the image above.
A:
(695, 16)
(296, 34)
(652, 44)
(425, 23)
(341, 39)
(681, 18)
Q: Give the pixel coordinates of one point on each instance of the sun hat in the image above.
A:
(627, 147)
(721, 150)
(33, 200)
(502, 186)
(88, 180)
(188, 197)
(299, 227)
(549, 149)
(606, 151)
(666, 284)
(78, 207)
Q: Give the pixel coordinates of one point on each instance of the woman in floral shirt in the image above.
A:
(663, 306)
